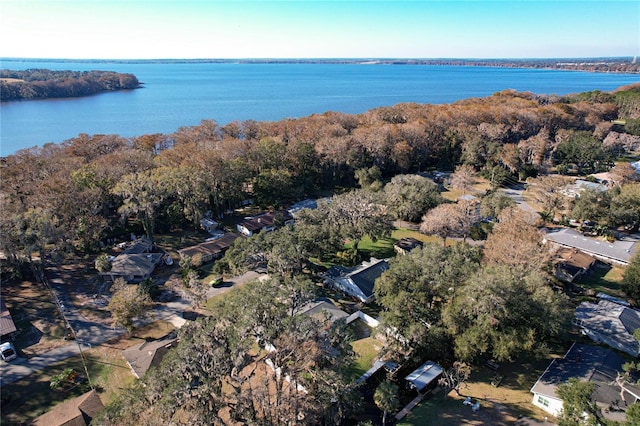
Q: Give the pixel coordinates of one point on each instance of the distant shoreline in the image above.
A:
(626, 65)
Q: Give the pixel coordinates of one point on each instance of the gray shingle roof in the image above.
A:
(586, 363)
(134, 264)
(365, 278)
(147, 354)
(611, 320)
(620, 251)
(7, 325)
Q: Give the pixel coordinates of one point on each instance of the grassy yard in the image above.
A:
(500, 405)
(180, 238)
(383, 248)
(479, 188)
(366, 352)
(603, 278)
(27, 399)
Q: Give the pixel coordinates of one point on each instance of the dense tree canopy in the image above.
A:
(584, 151)
(516, 241)
(43, 83)
(216, 375)
(416, 286)
(504, 312)
(410, 196)
(214, 168)
(71, 197)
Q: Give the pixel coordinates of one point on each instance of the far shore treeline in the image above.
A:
(627, 65)
(44, 83)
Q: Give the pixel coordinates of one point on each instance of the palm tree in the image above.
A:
(386, 398)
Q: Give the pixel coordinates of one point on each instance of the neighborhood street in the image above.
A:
(515, 193)
(90, 333)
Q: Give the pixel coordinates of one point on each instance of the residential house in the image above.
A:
(304, 204)
(359, 281)
(590, 364)
(133, 267)
(264, 222)
(136, 263)
(75, 412)
(139, 246)
(405, 245)
(570, 263)
(574, 189)
(618, 252)
(210, 250)
(145, 355)
(323, 311)
(610, 323)
(425, 377)
(209, 225)
(7, 326)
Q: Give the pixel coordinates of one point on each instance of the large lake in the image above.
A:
(176, 95)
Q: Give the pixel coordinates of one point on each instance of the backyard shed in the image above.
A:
(425, 377)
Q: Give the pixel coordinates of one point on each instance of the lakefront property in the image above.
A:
(416, 260)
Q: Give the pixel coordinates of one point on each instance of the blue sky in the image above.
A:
(147, 29)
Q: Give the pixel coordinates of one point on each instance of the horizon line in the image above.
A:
(576, 58)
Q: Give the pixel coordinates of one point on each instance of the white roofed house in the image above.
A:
(209, 225)
(358, 281)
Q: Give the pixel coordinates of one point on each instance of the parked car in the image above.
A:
(216, 281)
(8, 352)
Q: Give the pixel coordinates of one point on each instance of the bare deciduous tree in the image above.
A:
(463, 178)
(516, 241)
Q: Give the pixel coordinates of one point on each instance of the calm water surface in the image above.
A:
(176, 95)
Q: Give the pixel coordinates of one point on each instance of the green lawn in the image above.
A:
(380, 249)
(603, 278)
(383, 248)
(366, 352)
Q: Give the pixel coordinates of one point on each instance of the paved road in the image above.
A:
(90, 333)
(515, 193)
